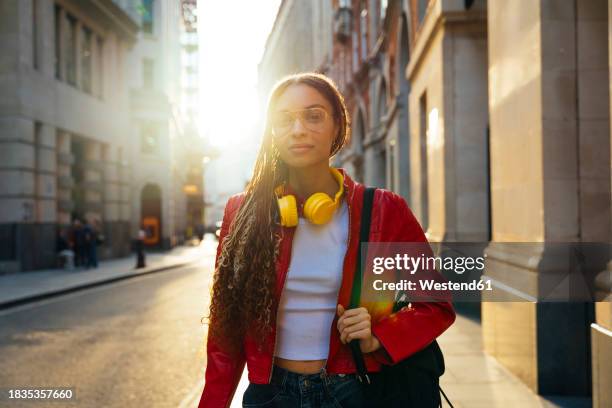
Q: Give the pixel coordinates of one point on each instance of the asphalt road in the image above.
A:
(135, 343)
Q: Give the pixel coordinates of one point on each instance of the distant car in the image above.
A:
(218, 230)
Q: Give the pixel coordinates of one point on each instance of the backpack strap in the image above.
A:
(364, 236)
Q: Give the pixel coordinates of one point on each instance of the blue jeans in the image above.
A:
(293, 390)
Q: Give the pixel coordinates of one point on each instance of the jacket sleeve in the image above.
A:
(223, 371)
(413, 328)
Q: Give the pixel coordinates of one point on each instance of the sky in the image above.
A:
(232, 40)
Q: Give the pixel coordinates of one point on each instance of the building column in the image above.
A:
(402, 146)
(111, 184)
(92, 180)
(78, 68)
(63, 21)
(125, 189)
(65, 182)
(544, 69)
(601, 330)
(46, 37)
(17, 175)
(419, 183)
(392, 163)
(375, 163)
(115, 230)
(46, 176)
(95, 69)
(27, 195)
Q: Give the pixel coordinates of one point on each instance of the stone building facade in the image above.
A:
(293, 45)
(154, 91)
(63, 77)
(89, 125)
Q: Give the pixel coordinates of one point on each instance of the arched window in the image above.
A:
(382, 102)
(357, 145)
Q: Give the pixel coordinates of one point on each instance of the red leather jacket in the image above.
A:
(400, 335)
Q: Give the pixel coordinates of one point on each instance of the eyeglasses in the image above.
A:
(312, 119)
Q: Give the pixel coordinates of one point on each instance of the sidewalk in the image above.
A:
(474, 379)
(29, 286)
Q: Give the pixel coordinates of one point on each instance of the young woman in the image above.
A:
(285, 265)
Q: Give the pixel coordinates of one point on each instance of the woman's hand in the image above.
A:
(355, 324)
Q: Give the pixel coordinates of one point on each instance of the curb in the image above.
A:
(52, 293)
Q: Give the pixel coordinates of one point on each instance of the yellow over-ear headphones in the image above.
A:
(318, 208)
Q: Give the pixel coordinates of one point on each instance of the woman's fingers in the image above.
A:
(356, 319)
(344, 321)
(353, 323)
(360, 334)
(349, 333)
(355, 311)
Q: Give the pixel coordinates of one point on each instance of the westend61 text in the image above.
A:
(432, 285)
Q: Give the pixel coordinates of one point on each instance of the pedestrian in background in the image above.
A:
(78, 238)
(200, 231)
(140, 255)
(91, 242)
(64, 251)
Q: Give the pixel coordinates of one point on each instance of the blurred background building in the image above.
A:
(492, 119)
(154, 66)
(192, 151)
(64, 76)
(96, 101)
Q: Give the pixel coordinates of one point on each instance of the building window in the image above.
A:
(391, 163)
(381, 165)
(37, 143)
(382, 103)
(100, 67)
(363, 29)
(58, 41)
(86, 60)
(383, 9)
(149, 139)
(147, 16)
(355, 53)
(34, 35)
(84, 56)
(71, 60)
(424, 188)
(148, 73)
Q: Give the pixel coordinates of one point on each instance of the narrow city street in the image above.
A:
(134, 343)
(128, 128)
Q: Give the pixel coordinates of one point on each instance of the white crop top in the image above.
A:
(308, 303)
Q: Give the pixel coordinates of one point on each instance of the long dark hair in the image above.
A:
(245, 278)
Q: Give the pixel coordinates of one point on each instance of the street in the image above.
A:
(138, 342)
